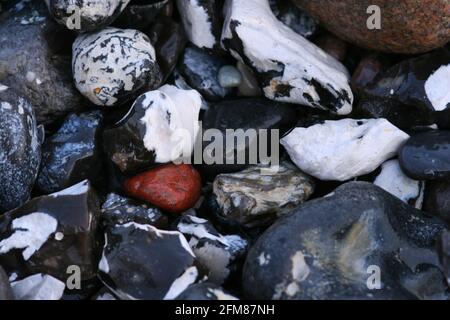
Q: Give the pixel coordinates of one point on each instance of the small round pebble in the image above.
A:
(229, 77)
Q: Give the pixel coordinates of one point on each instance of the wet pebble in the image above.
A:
(173, 188)
(50, 233)
(258, 195)
(20, 149)
(343, 149)
(72, 154)
(329, 247)
(142, 262)
(113, 65)
(437, 199)
(426, 156)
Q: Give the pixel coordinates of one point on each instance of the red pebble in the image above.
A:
(174, 188)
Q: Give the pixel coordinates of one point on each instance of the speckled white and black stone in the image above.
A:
(20, 149)
(93, 14)
(113, 65)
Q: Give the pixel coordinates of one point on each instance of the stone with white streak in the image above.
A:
(202, 21)
(257, 195)
(50, 233)
(343, 149)
(291, 69)
(218, 254)
(393, 180)
(38, 287)
(142, 262)
(113, 65)
(160, 127)
(92, 14)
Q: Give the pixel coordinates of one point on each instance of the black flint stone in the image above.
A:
(76, 213)
(5, 288)
(323, 250)
(72, 154)
(245, 114)
(426, 156)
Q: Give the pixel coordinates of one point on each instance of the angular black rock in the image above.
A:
(92, 14)
(139, 14)
(50, 233)
(444, 254)
(72, 154)
(293, 17)
(142, 262)
(426, 156)
(219, 255)
(200, 69)
(35, 61)
(407, 94)
(245, 114)
(202, 20)
(437, 199)
(330, 247)
(119, 210)
(205, 291)
(5, 288)
(169, 41)
(20, 149)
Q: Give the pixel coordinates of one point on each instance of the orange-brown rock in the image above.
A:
(407, 26)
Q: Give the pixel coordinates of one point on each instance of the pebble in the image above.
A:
(407, 27)
(411, 93)
(332, 45)
(120, 210)
(250, 113)
(328, 248)
(38, 287)
(114, 65)
(205, 291)
(173, 188)
(39, 51)
(50, 233)
(258, 195)
(161, 126)
(92, 14)
(72, 154)
(229, 77)
(393, 180)
(132, 260)
(202, 21)
(343, 149)
(254, 35)
(426, 156)
(200, 69)
(219, 255)
(366, 71)
(437, 199)
(444, 253)
(20, 149)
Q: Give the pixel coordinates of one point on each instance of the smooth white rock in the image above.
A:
(270, 46)
(38, 287)
(171, 122)
(393, 180)
(437, 88)
(344, 149)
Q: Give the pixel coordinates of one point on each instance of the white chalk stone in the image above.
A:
(303, 73)
(437, 88)
(38, 287)
(344, 149)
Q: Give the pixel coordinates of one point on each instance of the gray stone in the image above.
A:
(346, 245)
(229, 77)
